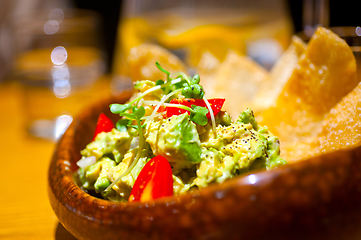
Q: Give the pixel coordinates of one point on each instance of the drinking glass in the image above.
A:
(193, 29)
(59, 61)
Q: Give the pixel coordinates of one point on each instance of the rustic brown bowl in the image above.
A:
(319, 198)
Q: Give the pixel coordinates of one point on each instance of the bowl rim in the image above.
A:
(262, 176)
(64, 192)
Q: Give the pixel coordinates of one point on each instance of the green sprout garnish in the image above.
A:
(193, 90)
(130, 112)
(136, 115)
(197, 113)
(157, 64)
(190, 87)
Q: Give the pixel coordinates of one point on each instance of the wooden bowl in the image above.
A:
(319, 198)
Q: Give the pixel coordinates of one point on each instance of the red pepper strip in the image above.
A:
(154, 181)
(216, 105)
(104, 124)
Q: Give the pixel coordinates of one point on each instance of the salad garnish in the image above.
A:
(131, 112)
(171, 139)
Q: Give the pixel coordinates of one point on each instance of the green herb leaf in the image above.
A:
(119, 108)
(193, 91)
(197, 91)
(136, 126)
(128, 115)
(122, 124)
(196, 79)
(183, 83)
(187, 92)
(139, 113)
(159, 82)
(199, 115)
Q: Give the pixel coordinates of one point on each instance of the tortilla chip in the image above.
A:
(141, 62)
(325, 73)
(329, 72)
(238, 79)
(279, 75)
(207, 67)
(342, 126)
(340, 129)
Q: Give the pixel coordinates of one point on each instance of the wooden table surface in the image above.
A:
(25, 211)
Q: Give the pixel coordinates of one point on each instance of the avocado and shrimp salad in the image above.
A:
(170, 139)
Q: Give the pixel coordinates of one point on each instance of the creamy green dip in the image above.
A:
(198, 157)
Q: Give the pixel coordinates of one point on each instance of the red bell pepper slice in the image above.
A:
(154, 181)
(216, 105)
(104, 124)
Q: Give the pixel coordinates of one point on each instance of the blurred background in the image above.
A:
(341, 13)
(61, 55)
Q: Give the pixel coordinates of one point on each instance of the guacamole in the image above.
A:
(201, 142)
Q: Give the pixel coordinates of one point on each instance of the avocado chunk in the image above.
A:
(113, 144)
(247, 116)
(198, 156)
(273, 152)
(101, 184)
(176, 139)
(95, 177)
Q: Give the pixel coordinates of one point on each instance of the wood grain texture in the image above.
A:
(25, 211)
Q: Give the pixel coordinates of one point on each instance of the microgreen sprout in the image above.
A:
(161, 102)
(130, 112)
(157, 64)
(212, 117)
(190, 87)
(193, 90)
(197, 113)
(136, 115)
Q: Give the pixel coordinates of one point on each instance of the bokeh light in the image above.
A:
(59, 55)
(358, 31)
(61, 124)
(56, 14)
(51, 27)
